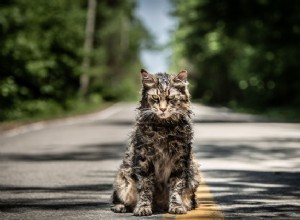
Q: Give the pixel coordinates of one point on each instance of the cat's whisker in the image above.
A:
(147, 115)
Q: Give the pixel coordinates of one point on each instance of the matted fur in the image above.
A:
(158, 171)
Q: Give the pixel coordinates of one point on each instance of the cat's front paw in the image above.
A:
(177, 210)
(119, 208)
(189, 208)
(142, 211)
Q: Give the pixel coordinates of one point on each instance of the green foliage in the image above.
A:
(241, 53)
(120, 40)
(42, 51)
(39, 54)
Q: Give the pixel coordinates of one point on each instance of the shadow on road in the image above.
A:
(251, 150)
(54, 198)
(93, 152)
(65, 189)
(264, 185)
(17, 198)
(254, 193)
(50, 204)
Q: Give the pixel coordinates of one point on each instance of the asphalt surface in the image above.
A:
(65, 169)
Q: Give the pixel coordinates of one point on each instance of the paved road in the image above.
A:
(65, 169)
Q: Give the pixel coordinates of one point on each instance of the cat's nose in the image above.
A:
(163, 109)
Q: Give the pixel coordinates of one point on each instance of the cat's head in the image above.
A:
(165, 96)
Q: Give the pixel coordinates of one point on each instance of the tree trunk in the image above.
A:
(88, 46)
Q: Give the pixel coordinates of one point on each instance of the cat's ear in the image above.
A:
(181, 77)
(147, 79)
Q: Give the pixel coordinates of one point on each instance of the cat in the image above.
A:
(158, 171)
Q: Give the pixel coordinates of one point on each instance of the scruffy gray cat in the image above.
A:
(158, 171)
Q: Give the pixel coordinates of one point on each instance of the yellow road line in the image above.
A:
(207, 209)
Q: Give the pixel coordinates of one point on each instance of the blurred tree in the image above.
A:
(39, 54)
(88, 46)
(240, 52)
(42, 52)
(119, 38)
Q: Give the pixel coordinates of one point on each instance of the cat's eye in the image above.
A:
(171, 97)
(155, 97)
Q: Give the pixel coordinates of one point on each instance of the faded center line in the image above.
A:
(207, 208)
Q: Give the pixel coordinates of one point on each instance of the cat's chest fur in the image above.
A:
(163, 146)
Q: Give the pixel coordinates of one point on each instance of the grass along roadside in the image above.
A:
(279, 114)
(78, 110)
(275, 114)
